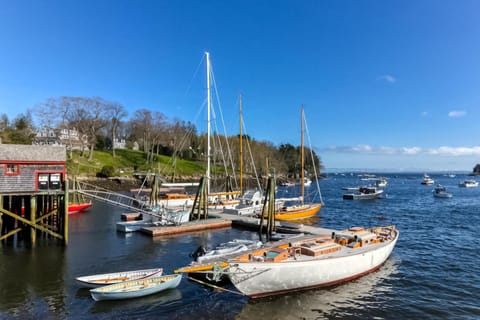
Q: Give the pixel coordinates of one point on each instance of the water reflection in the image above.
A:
(340, 301)
(143, 305)
(33, 279)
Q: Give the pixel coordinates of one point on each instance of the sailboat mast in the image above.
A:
(207, 55)
(303, 158)
(241, 148)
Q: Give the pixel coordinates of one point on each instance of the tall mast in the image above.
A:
(303, 159)
(241, 148)
(207, 56)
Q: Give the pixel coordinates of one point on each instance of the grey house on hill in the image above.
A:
(31, 168)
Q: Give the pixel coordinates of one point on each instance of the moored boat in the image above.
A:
(441, 192)
(98, 280)
(251, 203)
(136, 288)
(427, 180)
(469, 184)
(300, 210)
(227, 249)
(312, 261)
(297, 212)
(364, 193)
(77, 207)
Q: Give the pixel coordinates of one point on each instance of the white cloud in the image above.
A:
(442, 151)
(388, 78)
(457, 113)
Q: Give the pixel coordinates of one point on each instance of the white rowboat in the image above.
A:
(98, 280)
(136, 288)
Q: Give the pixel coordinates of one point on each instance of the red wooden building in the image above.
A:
(33, 192)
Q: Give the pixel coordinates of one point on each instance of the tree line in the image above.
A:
(99, 122)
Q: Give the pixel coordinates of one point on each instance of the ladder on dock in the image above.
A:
(113, 198)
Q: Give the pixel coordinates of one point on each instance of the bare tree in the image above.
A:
(116, 112)
(141, 124)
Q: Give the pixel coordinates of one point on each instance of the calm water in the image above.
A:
(433, 273)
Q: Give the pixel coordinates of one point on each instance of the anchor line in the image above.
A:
(216, 287)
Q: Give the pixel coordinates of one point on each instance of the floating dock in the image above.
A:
(219, 220)
(192, 226)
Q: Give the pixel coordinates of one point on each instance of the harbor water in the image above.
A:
(433, 272)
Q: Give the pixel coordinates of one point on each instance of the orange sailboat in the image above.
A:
(302, 210)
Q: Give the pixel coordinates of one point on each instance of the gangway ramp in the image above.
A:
(113, 198)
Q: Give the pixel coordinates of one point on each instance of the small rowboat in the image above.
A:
(136, 288)
(98, 280)
(77, 207)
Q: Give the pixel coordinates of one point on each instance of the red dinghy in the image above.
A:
(77, 207)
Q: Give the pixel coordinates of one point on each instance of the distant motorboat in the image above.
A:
(441, 192)
(427, 180)
(469, 184)
(306, 182)
(364, 193)
(380, 183)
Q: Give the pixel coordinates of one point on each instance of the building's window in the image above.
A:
(12, 169)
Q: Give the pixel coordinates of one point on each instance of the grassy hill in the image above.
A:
(128, 162)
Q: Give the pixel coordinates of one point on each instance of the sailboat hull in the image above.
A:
(258, 279)
(298, 212)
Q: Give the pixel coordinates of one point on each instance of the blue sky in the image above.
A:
(385, 84)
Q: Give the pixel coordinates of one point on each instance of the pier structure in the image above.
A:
(33, 193)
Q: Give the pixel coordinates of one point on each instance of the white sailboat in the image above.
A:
(312, 261)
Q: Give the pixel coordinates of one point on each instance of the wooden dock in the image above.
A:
(219, 220)
(254, 223)
(192, 226)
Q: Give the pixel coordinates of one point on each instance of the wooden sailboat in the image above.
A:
(312, 261)
(302, 210)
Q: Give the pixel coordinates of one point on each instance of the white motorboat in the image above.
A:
(427, 180)
(98, 280)
(136, 288)
(312, 261)
(441, 192)
(469, 184)
(251, 203)
(364, 193)
(226, 250)
(168, 217)
(380, 183)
